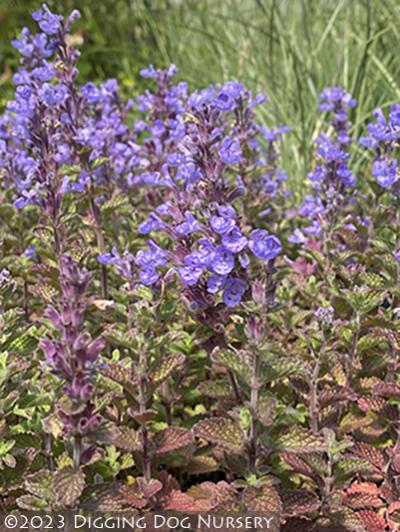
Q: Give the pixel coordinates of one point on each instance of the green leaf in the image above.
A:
(264, 498)
(164, 367)
(221, 431)
(6, 446)
(127, 439)
(171, 439)
(32, 503)
(300, 440)
(40, 484)
(68, 486)
(234, 362)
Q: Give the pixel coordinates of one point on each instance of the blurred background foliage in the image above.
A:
(290, 49)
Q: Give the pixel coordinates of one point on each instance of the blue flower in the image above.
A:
(189, 226)
(297, 237)
(30, 252)
(190, 275)
(148, 276)
(244, 260)
(224, 102)
(222, 224)
(215, 282)
(48, 21)
(153, 224)
(264, 246)
(233, 292)
(346, 175)
(234, 241)
(109, 258)
(230, 151)
(223, 261)
(202, 256)
(385, 172)
(394, 115)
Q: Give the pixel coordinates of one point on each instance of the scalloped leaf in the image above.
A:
(68, 486)
(221, 431)
(164, 367)
(112, 497)
(215, 389)
(182, 502)
(234, 362)
(387, 389)
(148, 488)
(32, 503)
(362, 501)
(301, 440)
(299, 465)
(40, 484)
(329, 396)
(372, 521)
(349, 466)
(263, 498)
(297, 503)
(221, 495)
(200, 465)
(375, 457)
(114, 203)
(171, 439)
(118, 373)
(127, 439)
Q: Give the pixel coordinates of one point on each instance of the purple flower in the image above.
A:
(202, 256)
(224, 102)
(190, 275)
(189, 226)
(264, 246)
(233, 292)
(394, 115)
(148, 276)
(385, 172)
(153, 224)
(244, 260)
(234, 241)
(297, 237)
(4, 277)
(30, 252)
(230, 151)
(223, 261)
(215, 283)
(222, 224)
(48, 21)
(346, 175)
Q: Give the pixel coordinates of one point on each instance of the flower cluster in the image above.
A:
(71, 354)
(383, 138)
(199, 148)
(331, 178)
(53, 131)
(214, 255)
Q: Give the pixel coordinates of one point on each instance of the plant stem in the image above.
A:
(167, 403)
(353, 351)
(77, 451)
(100, 244)
(142, 409)
(234, 387)
(254, 410)
(47, 449)
(26, 300)
(314, 397)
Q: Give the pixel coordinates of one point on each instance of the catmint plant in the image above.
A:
(71, 355)
(331, 178)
